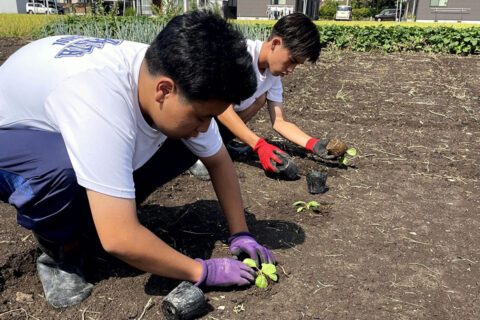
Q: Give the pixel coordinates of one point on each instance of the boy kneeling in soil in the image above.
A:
(84, 136)
(294, 39)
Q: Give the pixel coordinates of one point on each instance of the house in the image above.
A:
(78, 6)
(465, 11)
(244, 9)
(275, 9)
(234, 9)
(13, 6)
(143, 7)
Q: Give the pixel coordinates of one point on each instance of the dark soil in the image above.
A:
(398, 233)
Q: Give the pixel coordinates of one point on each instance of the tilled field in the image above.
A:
(398, 231)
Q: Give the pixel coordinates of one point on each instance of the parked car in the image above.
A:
(387, 14)
(33, 8)
(344, 13)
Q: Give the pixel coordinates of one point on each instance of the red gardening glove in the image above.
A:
(319, 147)
(266, 153)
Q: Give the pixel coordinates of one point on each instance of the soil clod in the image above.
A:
(336, 147)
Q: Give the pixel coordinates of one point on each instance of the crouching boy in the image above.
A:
(294, 39)
(88, 126)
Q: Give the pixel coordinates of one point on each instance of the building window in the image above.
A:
(279, 1)
(438, 3)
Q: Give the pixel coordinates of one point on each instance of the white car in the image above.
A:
(33, 8)
(344, 13)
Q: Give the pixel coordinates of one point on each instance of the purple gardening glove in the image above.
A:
(244, 242)
(223, 272)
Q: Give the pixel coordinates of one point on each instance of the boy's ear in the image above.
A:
(164, 87)
(276, 41)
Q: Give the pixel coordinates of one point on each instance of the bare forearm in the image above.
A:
(291, 132)
(122, 235)
(235, 124)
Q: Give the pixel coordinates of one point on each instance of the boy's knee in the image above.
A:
(64, 180)
(247, 114)
(58, 176)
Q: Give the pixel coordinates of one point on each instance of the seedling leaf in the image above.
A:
(273, 276)
(250, 262)
(261, 281)
(269, 268)
(342, 160)
(299, 209)
(298, 203)
(352, 151)
(313, 205)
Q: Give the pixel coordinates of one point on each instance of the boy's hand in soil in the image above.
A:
(267, 154)
(319, 147)
(244, 242)
(223, 272)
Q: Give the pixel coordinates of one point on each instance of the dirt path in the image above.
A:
(398, 233)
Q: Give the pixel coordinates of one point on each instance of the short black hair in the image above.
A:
(299, 35)
(205, 57)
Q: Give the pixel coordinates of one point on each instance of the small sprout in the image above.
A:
(343, 159)
(238, 308)
(302, 205)
(313, 205)
(267, 269)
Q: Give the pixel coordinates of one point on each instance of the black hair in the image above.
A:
(205, 57)
(299, 35)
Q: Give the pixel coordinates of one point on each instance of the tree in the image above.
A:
(328, 9)
(382, 4)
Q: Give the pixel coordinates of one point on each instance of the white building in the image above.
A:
(13, 6)
(19, 6)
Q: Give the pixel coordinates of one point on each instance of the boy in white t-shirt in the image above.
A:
(293, 40)
(90, 126)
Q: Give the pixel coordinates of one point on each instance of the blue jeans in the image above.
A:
(37, 178)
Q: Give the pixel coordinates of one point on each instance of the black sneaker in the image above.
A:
(236, 151)
(63, 282)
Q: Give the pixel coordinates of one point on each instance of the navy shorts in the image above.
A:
(37, 178)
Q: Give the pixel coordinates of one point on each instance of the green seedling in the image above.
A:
(343, 159)
(267, 270)
(302, 205)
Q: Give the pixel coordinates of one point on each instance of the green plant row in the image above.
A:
(135, 28)
(399, 38)
(440, 39)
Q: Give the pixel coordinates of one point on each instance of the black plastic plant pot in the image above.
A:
(184, 302)
(288, 170)
(316, 182)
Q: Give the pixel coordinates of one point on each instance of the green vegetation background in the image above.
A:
(354, 35)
